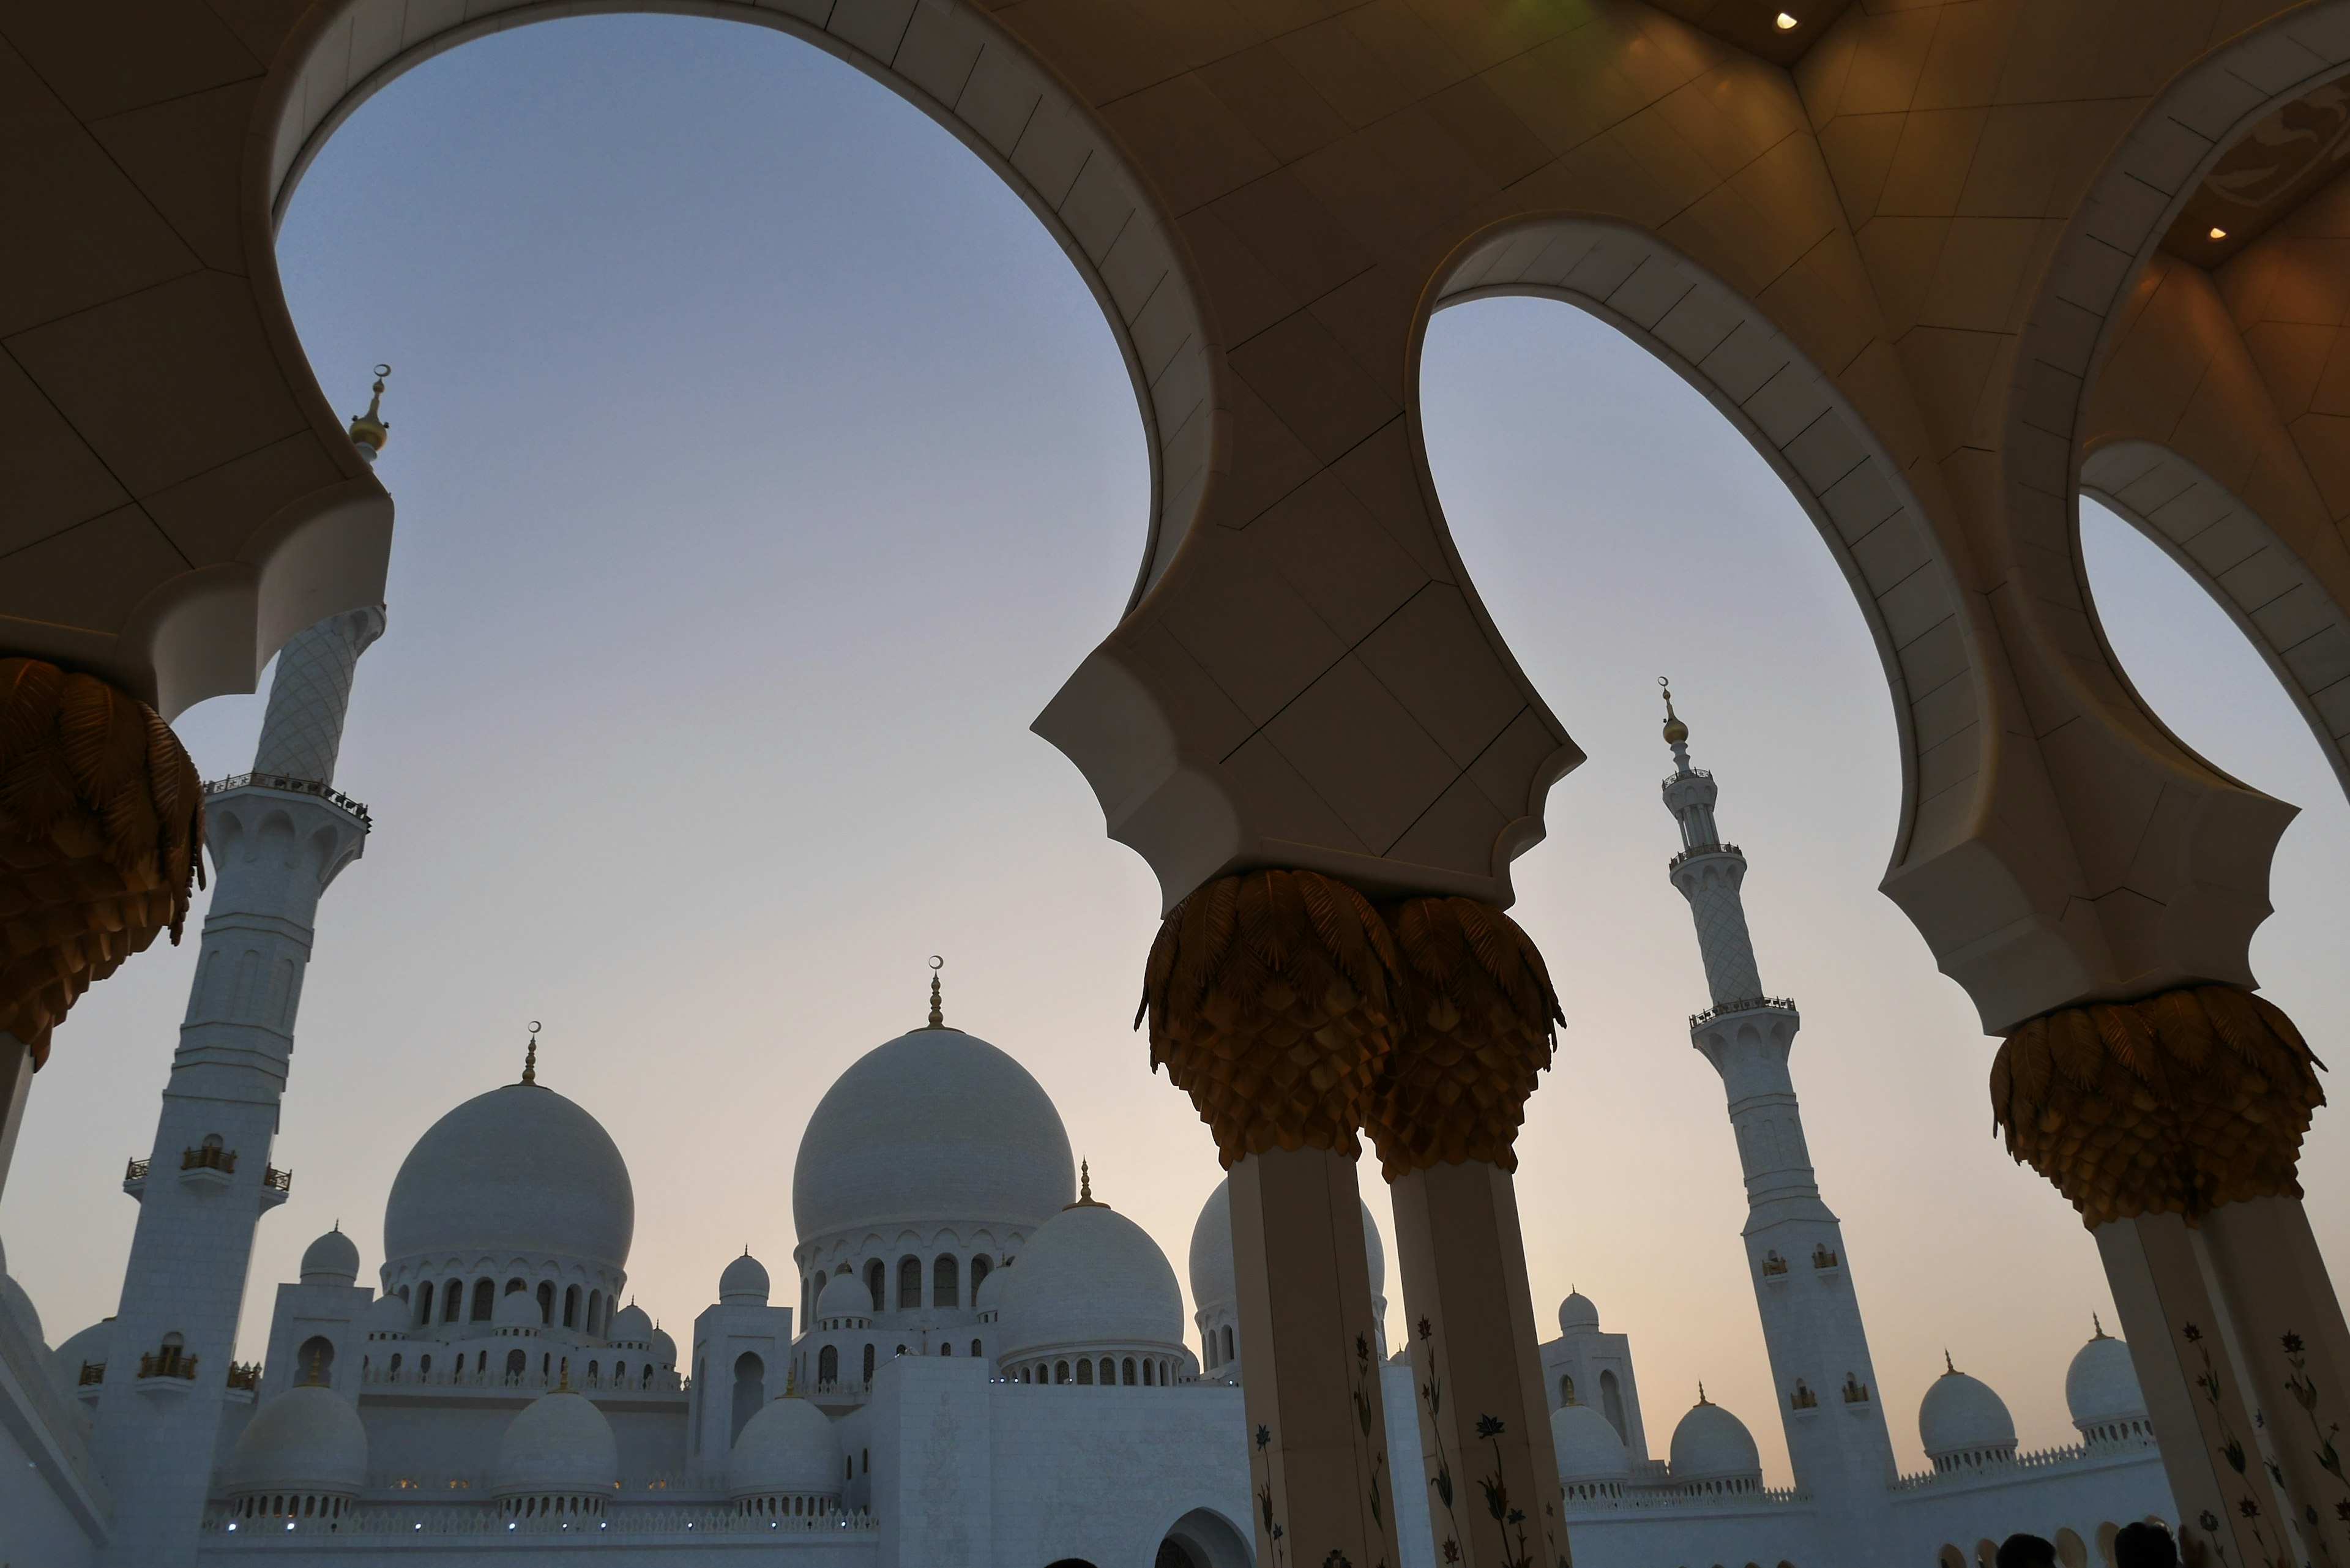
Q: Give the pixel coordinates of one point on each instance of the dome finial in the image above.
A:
(1676, 732)
(313, 1380)
(368, 432)
(2099, 1326)
(1700, 1392)
(1084, 1188)
(938, 1017)
(530, 1056)
(1950, 1368)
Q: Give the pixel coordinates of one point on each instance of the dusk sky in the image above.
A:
(763, 467)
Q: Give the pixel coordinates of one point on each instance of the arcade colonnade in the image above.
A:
(1945, 263)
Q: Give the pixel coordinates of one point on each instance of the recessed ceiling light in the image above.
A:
(2218, 233)
(1786, 22)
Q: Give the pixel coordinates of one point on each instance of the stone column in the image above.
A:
(1477, 1015)
(16, 1088)
(2174, 1124)
(1268, 1002)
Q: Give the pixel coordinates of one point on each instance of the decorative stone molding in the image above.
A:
(1477, 1025)
(101, 833)
(2172, 1105)
(1269, 996)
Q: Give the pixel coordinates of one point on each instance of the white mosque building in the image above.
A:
(975, 1362)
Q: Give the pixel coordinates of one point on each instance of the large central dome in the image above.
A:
(520, 1169)
(934, 1128)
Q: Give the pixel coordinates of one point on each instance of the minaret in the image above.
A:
(1828, 1399)
(278, 836)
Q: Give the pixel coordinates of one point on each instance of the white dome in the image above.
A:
(1588, 1447)
(664, 1349)
(331, 1260)
(519, 1169)
(1212, 1284)
(559, 1442)
(789, 1446)
(517, 1309)
(1577, 1314)
(89, 1344)
(1962, 1415)
(933, 1128)
(18, 1306)
(307, 1438)
(389, 1315)
(743, 1281)
(983, 1294)
(1711, 1444)
(1089, 1276)
(2101, 1386)
(845, 1296)
(632, 1326)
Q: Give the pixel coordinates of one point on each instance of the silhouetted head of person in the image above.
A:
(2026, 1552)
(2145, 1546)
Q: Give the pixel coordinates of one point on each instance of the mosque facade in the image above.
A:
(972, 1361)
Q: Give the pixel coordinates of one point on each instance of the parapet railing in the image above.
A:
(137, 1171)
(411, 1377)
(2029, 1460)
(204, 1157)
(277, 1180)
(327, 792)
(1743, 1005)
(169, 1362)
(396, 1521)
(1694, 850)
(245, 1374)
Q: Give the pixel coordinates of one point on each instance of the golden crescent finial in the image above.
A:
(530, 1056)
(370, 429)
(938, 1016)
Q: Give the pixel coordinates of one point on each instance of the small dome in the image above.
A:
(744, 1282)
(1962, 1415)
(519, 1169)
(845, 1296)
(983, 1294)
(18, 1306)
(1711, 1444)
(1090, 1276)
(935, 1127)
(90, 1345)
(788, 1447)
(664, 1350)
(1212, 1284)
(2101, 1386)
(307, 1439)
(331, 1260)
(1588, 1447)
(388, 1316)
(1577, 1315)
(517, 1309)
(559, 1443)
(632, 1326)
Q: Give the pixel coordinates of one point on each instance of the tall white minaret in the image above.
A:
(277, 837)
(1828, 1399)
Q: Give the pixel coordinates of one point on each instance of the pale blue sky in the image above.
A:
(763, 468)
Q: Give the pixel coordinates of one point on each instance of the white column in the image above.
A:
(276, 841)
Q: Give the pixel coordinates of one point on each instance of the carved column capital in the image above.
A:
(2173, 1104)
(101, 833)
(1269, 997)
(1477, 1025)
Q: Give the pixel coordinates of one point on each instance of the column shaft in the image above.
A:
(1325, 1497)
(1484, 1422)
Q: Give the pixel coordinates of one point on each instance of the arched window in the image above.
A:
(314, 1361)
(395, 1366)
(979, 1267)
(910, 1283)
(974, 1347)
(452, 1300)
(946, 1280)
(1126, 1368)
(595, 1312)
(620, 1375)
(1228, 1342)
(1565, 1389)
(827, 1365)
(946, 1347)
(571, 1307)
(876, 1276)
(595, 1371)
(424, 1303)
(547, 1364)
(545, 1302)
(1611, 1403)
(517, 1364)
(424, 1366)
(1024, 1375)
(1147, 1368)
(1061, 1371)
(750, 1390)
(869, 1364)
(485, 1297)
(645, 1379)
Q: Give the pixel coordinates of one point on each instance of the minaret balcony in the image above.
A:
(277, 1186)
(170, 1370)
(134, 1178)
(1745, 1004)
(353, 809)
(1695, 851)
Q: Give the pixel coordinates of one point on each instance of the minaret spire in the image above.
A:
(937, 1014)
(530, 1062)
(1812, 1330)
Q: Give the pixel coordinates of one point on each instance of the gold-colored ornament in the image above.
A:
(2173, 1104)
(1477, 1025)
(101, 833)
(1268, 997)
